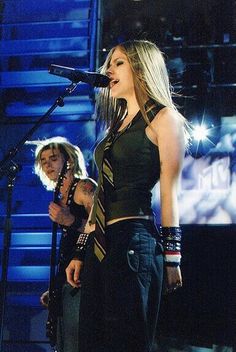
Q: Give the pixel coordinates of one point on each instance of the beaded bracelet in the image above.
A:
(171, 241)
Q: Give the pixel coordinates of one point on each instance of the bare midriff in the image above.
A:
(147, 217)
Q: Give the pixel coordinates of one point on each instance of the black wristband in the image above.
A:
(171, 241)
(172, 264)
(81, 246)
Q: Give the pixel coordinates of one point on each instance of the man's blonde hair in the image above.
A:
(71, 153)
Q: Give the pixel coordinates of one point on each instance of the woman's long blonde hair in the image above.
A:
(150, 79)
(71, 153)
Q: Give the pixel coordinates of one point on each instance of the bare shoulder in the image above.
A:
(86, 186)
(167, 124)
(168, 117)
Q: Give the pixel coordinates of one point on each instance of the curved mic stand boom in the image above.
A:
(9, 168)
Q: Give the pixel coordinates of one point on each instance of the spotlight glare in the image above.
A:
(200, 133)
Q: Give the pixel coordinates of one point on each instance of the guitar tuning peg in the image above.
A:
(60, 196)
(69, 164)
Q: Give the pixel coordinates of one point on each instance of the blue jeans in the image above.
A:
(68, 324)
(121, 295)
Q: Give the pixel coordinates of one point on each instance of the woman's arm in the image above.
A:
(171, 143)
(168, 134)
(83, 195)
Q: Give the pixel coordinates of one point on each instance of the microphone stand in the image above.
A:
(9, 168)
(11, 174)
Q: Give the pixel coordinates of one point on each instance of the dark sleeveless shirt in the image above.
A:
(136, 169)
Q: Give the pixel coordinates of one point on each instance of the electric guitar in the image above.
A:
(54, 301)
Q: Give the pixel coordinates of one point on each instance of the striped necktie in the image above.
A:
(107, 184)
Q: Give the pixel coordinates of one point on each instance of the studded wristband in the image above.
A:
(81, 245)
(171, 241)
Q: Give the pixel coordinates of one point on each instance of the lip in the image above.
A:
(113, 83)
(50, 172)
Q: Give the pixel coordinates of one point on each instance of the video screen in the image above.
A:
(207, 190)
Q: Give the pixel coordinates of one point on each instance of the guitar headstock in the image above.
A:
(60, 180)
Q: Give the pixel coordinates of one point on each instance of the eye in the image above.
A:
(119, 63)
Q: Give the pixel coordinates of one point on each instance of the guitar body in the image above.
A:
(54, 307)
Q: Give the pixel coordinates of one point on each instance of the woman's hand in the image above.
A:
(44, 299)
(73, 273)
(173, 278)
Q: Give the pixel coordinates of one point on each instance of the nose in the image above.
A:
(47, 164)
(109, 71)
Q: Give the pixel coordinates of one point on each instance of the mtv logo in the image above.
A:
(216, 176)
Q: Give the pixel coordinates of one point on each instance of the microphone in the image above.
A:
(92, 78)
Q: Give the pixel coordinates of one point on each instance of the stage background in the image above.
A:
(198, 39)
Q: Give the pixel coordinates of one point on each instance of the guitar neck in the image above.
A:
(56, 199)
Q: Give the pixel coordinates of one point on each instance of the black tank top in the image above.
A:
(136, 169)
